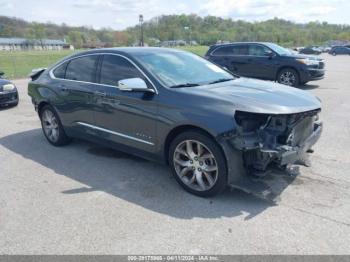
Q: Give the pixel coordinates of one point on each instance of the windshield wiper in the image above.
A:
(184, 85)
(221, 80)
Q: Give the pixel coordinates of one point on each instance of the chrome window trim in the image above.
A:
(212, 52)
(115, 133)
(52, 76)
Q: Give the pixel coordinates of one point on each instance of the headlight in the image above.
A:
(308, 61)
(250, 121)
(8, 87)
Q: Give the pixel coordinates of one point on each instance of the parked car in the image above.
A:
(267, 61)
(339, 50)
(325, 49)
(210, 126)
(8, 92)
(310, 50)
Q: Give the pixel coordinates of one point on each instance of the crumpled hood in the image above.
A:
(257, 96)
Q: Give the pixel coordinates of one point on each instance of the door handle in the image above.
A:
(98, 93)
(63, 88)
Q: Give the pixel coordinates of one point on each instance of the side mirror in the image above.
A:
(269, 54)
(134, 84)
(1, 74)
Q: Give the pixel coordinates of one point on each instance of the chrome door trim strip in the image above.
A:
(52, 76)
(115, 133)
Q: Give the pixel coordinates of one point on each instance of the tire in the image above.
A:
(334, 53)
(288, 76)
(201, 173)
(52, 127)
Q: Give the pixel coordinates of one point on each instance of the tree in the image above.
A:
(37, 32)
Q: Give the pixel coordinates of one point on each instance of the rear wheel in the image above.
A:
(52, 127)
(198, 164)
(289, 77)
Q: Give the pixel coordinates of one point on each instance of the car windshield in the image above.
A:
(279, 49)
(182, 69)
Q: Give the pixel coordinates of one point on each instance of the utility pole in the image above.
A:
(188, 28)
(141, 30)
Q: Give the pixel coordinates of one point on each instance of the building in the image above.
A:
(19, 44)
(173, 43)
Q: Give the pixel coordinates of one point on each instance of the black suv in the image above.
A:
(267, 61)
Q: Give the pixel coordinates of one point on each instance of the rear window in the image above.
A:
(60, 71)
(82, 68)
(225, 50)
(231, 50)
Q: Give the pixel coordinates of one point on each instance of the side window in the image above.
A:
(240, 50)
(82, 69)
(115, 68)
(224, 50)
(258, 50)
(60, 71)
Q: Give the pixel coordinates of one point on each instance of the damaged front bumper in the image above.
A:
(258, 160)
(270, 147)
(291, 155)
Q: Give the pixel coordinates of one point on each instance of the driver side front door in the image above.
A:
(124, 117)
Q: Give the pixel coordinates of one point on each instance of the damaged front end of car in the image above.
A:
(275, 139)
(269, 142)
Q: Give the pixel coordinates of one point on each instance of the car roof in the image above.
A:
(237, 43)
(125, 51)
(129, 50)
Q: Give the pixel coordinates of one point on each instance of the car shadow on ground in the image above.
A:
(309, 86)
(133, 179)
(8, 107)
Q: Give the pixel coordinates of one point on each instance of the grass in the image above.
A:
(19, 64)
(199, 50)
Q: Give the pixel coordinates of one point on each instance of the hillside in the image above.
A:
(205, 31)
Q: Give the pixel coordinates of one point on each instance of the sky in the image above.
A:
(119, 14)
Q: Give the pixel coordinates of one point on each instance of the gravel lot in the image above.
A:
(84, 199)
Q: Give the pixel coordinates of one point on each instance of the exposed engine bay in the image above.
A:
(275, 139)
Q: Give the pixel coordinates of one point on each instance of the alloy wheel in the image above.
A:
(195, 165)
(287, 78)
(50, 125)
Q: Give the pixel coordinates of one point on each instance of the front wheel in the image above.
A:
(52, 127)
(198, 164)
(288, 77)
